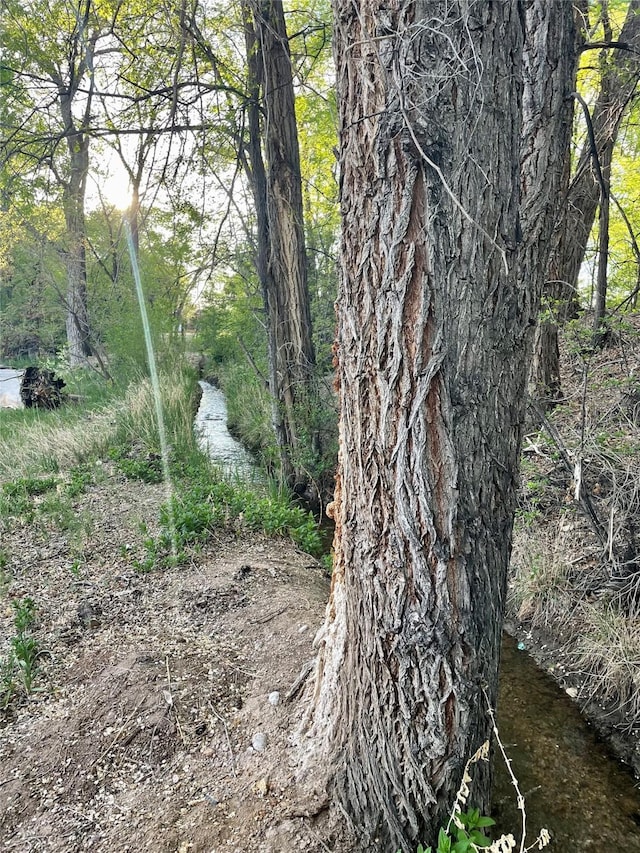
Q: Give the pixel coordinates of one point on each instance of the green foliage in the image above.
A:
(137, 464)
(204, 502)
(464, 834)
(79, 478)
(249, 409)
(17, 497)
(25, 498)
(18, 668)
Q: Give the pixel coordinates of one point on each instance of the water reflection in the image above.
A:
(573, 787)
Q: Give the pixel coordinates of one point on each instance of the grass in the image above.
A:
(205, 501)
(608, 651)
(32, 440)
(200, 499)
(539, 587)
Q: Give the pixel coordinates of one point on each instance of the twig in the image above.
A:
(270, 616)
(514, 781)
(583, 498)
(116, 738)
(226, 731)
(298, 684)
(317, 837)
(172, 704)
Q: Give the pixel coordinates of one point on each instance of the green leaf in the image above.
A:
(444, 842)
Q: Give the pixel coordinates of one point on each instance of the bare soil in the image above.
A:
(155, 724)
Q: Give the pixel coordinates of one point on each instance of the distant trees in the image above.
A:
(588, 180)
(50, 51)
(273, 167)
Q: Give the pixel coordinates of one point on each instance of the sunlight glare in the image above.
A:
(115, 190)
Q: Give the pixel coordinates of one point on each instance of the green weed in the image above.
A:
(18, 669)
(204, 502)
(138, 464)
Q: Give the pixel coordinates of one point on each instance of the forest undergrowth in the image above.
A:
(575, 570)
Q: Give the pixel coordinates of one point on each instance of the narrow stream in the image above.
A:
(215, 439)
(572, 785)
(574, 788)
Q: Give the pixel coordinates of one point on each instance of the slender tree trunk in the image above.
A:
(621, 72)
(282, 264)
(436, 313)
(600, 302)
(74, 192)
(134, 215)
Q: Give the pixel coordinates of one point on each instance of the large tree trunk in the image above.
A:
(282, 264)
(436, 313)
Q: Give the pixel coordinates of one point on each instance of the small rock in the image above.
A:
(572, 692)
(242, 573)
(302, 629)
(262, 786)
(259, 741)
(89, 614)
(274, 698)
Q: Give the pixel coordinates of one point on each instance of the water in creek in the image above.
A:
(573, 786)
(10, 388)
(215, 439)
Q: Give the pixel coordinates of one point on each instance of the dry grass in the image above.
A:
(32, 440)
(539, 587)
(608, 653)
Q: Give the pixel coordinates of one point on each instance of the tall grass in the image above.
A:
(34, 440)
(608, 652)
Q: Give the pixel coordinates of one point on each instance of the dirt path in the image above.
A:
(155, 725)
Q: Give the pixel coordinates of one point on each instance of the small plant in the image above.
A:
(79, 478)
(464, 830)
(138, 465)
(463, 835)
(18, 669)
(16, 496)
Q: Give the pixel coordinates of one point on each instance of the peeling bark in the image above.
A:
(282, 262)
(435, 326)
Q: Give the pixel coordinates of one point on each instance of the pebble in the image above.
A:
(274, 697)
(259, 741)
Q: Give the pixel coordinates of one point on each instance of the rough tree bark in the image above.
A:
(281, 255)
(438, 297)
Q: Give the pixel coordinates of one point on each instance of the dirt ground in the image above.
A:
(164, 707)
(161, 719)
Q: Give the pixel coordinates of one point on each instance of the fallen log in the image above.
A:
(41, 389)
